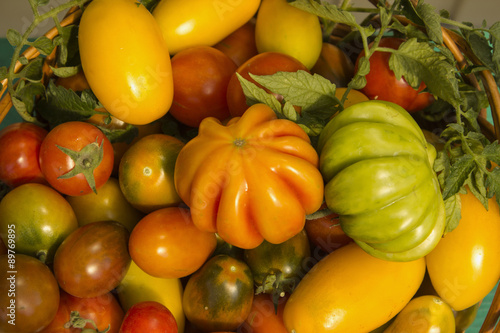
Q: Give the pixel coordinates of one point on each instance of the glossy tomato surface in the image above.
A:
(131, 73)
(146, 172)
(76, 158)
(201, 75)
(464, 266)
(19, 151)
(93, 259)
(264, 316)
(148, 316)
(35, 219)
(104, 311)
(30, 294)
(167, 244)
(261, 64)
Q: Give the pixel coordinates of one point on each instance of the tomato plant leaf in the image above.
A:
(25, 96)
(65, 71)
(14, 37)
(418, 61)
(453, 207)
(311, 92)
(39, 3)
(425, 15)
(495, 42)
(327, 11)
(33, 71)
(492, 152)
(493, 184)
(255, 94)
(459, 172)
(480, 46)
(67, 42)
(44, 45)
(61, 104)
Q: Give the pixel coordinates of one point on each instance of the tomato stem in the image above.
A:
(76, 321)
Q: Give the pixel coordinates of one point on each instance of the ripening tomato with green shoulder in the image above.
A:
(138, 286)
(463, 267)
(254, 178)
(219, 296)
(33, 299)
(192, 23)
(281, 27)
(146, 172)
(424, 314)
(34, 220)
(76, 158)
(344, 292)
(109, 204)
(132, 74)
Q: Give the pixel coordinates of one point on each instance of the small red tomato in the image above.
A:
(149, 316)
(19, 151)
(76, 158)
(201, 75)
(382, 84)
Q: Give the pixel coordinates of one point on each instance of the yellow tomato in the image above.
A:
(138, 286)
(280, 27)
(353, 96)
(199, 22)
(125, 60)
(464, 266)
(424, 314)
(351, 291)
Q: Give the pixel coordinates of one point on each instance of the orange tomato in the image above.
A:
(146, 172)
(264, 317)
(240, 45)
(464, 266)
(166, 244)
(334, 65)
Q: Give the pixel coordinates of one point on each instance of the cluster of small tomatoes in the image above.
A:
(95, 234)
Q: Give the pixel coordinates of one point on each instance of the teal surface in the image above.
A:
(6, 51)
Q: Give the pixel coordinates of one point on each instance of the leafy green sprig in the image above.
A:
(423, 57)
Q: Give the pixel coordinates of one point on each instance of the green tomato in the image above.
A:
(35, 219)
(377, 166)
(281, 27)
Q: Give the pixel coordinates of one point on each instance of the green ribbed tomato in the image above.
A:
(377, 167)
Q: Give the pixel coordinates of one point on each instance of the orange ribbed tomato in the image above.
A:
(464, 266)
(351, 291)
(255, 178)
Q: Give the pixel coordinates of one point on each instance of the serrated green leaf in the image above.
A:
(418, 61)
(425, 15)
(492, 152)
(480, 46)
(61, 105)
(65, 71)
(23, 60)
(115, 135)
(327, 11)
(33, 71)
(255, 94)
(459, 172)
(27, 94)
(44, 45)
(495, 42)
(310, 92)
(290, 112)
(67, 41)
(14, 37)
(3, 73)
(453, 207)
(493, 184)
(476, 184)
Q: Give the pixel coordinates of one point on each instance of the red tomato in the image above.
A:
(266, 63)
(382, 84)
(201, 75)
(240, 45)
(103, 311)
(264, 317)
(19, 150)
(93, 259)
(76, 158)
(149, 316)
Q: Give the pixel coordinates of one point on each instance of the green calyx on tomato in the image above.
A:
(86, 160)
(76, 321)
(377, 167)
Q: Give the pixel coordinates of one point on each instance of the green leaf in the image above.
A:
(453, 207)
(61, 105)
(312, 92)
(492, 152)
(495, 42)
(44, 45)
(424, 15)
(418, 62)
(3, 73)
(327, 11)
(480, 46)
(25, 96)
(255, 94)
(41, 2)
(65, 71)
(459, 172)
(67, 41)
(493, 184)
(14, 37)
(476, 184)
(33, 71)
(150, 4)
(126, 134)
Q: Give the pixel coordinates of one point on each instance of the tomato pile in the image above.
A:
(231, 166)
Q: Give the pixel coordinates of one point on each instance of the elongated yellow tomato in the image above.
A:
(200, 22)
(351, 291)
(255, 178)
(125, 60)
(280, 27)
(138, 286)
(464, 266)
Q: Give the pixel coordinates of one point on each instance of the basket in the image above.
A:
(454, 42)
